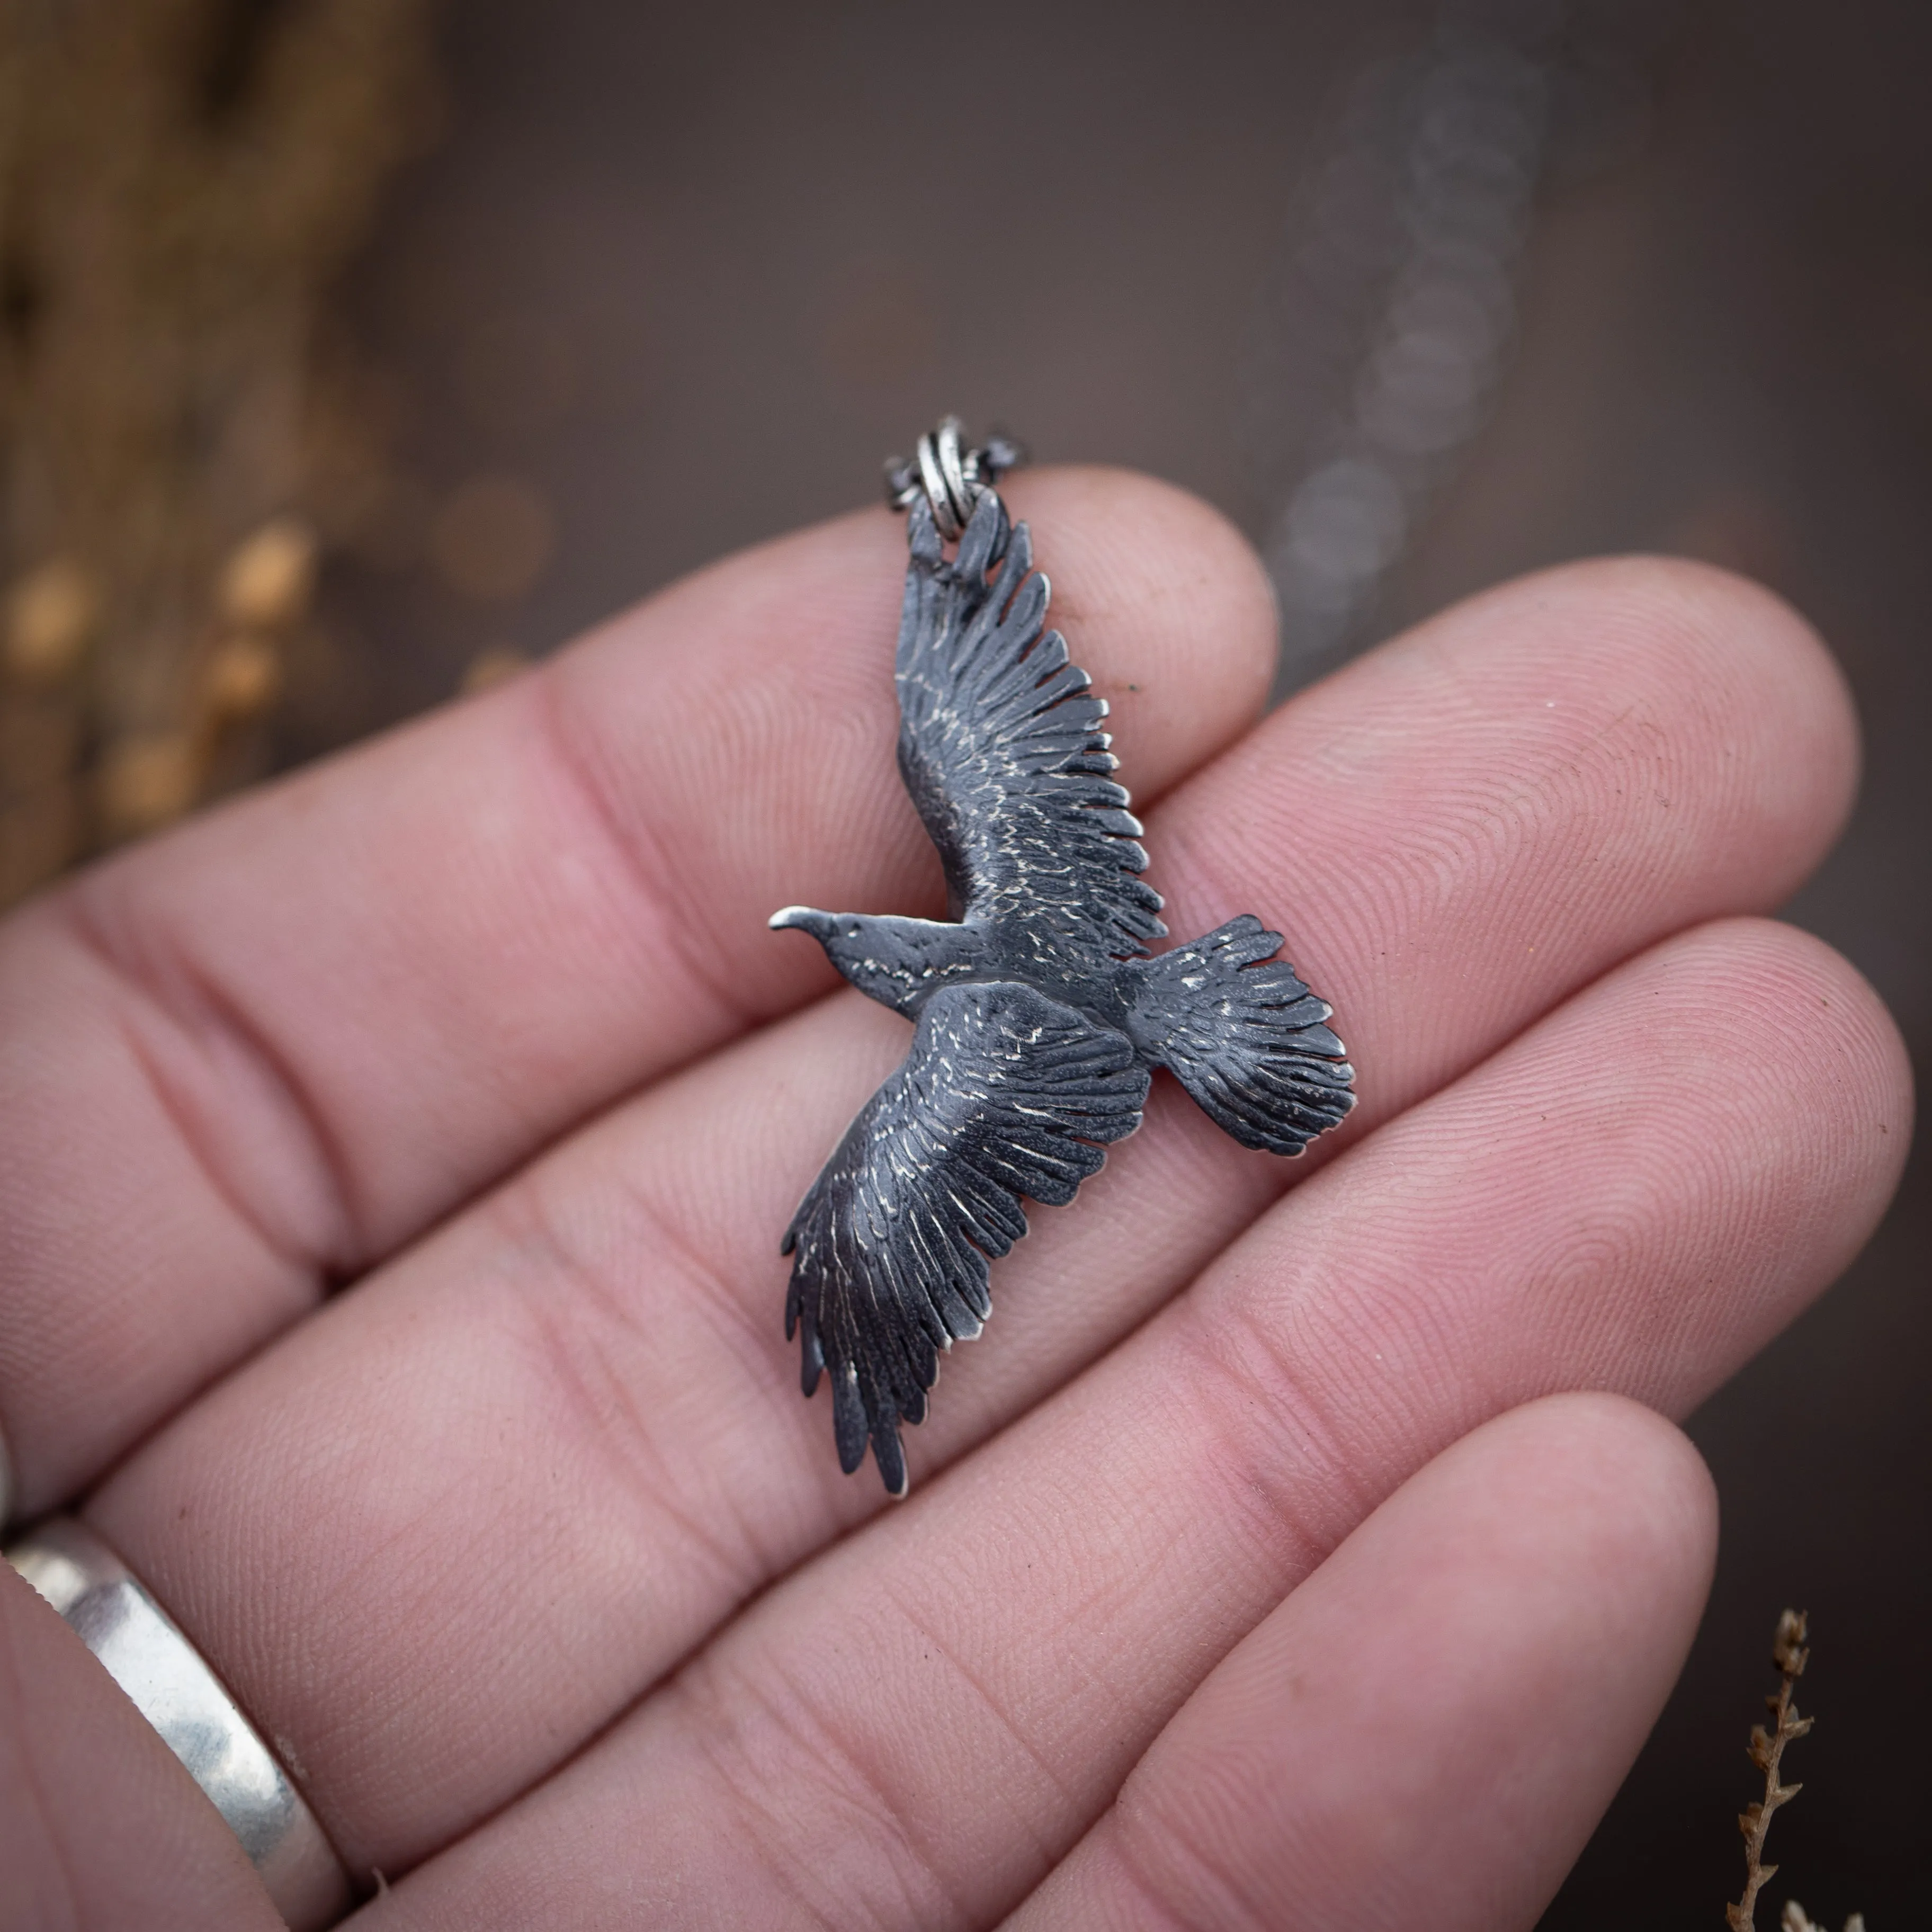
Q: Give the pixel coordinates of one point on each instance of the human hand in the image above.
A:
(1259, 1568)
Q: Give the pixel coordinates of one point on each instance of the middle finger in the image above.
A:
(484, 1500)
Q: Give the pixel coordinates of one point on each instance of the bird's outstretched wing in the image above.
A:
(1001, 748)
(1004, 1093)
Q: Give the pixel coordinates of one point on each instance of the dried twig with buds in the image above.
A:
(1790, 1656)
(1766, 1751)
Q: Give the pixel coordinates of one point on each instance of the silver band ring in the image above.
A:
(164, 1676)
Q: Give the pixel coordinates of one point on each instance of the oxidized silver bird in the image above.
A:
(1038, 1015)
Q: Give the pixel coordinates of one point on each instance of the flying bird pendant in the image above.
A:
(1039, 1014)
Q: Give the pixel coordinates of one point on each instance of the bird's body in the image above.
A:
(902, 962)
(1039, 1015)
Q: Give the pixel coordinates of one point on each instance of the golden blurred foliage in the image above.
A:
(243, 679)
(269, 578)
(144, 782)
(493, 538)
(51, 615)
(488, 668)
(181, 434)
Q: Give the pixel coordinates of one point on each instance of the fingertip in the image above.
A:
(1762, 708)
(1799, 1037)
(1164, 600)
(1639, 1500)
(1789, 968)
(1585, 1521)
(1781, 654)
(1467, 1676)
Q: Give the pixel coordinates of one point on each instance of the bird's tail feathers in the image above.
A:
(1239, 1030)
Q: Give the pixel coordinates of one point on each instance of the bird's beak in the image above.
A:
(812, 920)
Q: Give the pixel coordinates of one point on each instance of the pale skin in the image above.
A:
(1304, 1545)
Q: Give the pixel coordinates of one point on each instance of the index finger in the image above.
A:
(261, 1051)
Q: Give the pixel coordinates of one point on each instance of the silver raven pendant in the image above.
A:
(1039, 1014)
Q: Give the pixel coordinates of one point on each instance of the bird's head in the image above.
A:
(822, 925)
(877, 955)
(842, 934)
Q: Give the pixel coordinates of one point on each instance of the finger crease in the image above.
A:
(1071, 1805)
(645, 863)
(1285, 1468)
(848, 1785)
(1185, 1874)
(598, 1390)
(205, 1007)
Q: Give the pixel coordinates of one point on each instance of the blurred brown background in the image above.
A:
(674, 279)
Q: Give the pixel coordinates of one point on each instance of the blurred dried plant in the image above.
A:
(1794, 1920)
(183, 432)
(1789, 1656)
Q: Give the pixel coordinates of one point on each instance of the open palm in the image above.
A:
(1302, 1545)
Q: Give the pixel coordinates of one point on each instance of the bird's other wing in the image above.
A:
(1005, 1093)
(1001, 748)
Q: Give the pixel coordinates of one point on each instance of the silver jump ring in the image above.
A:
(938, 495)
(164, 1676)
(961, 495)
(949, 476)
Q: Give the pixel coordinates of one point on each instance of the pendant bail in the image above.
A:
(951, 477)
